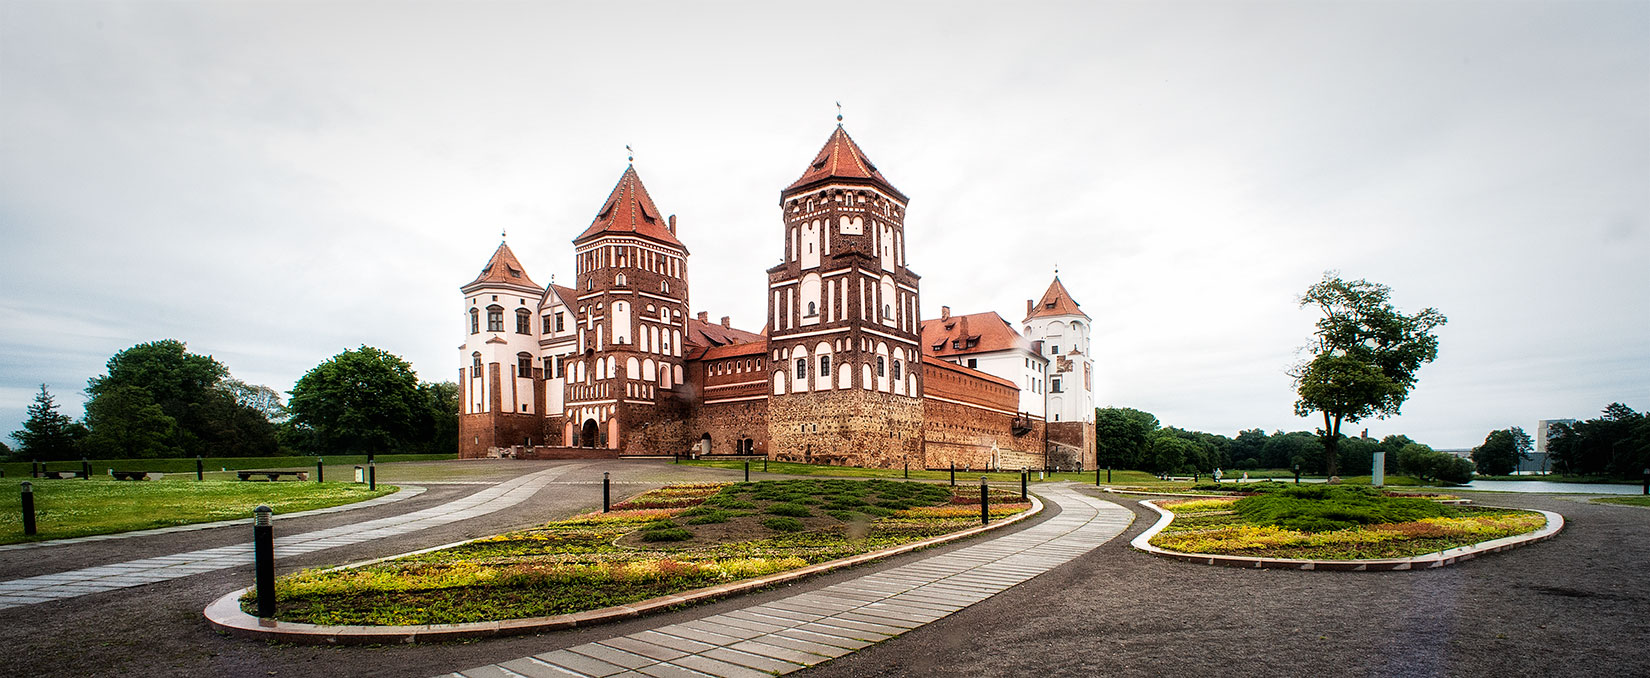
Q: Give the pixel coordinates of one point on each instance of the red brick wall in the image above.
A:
(851, 427)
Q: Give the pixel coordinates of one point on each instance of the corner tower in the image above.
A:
(1064, 330)
(843, 318)
(501, 390)
(631, 306)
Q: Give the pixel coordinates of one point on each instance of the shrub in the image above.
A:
(796, 510)
(666, 534)
(783, 524)
(1322, 508)
(709, 517)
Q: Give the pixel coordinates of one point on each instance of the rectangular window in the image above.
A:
(1054, 385)
(561, 368)
(546, 325)
(560, 325)
(524, 366)
(524, 323)
(495, 320)
(1055, 350)
(973, 362)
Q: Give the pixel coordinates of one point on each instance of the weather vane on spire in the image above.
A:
(630, 156)
(504, 234)
(839, 113)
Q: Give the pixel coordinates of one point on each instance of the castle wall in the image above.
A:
(1079, 435)
(728, 423)
(851, 427)
(970, 420)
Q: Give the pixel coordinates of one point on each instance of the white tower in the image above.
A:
(1064, 331)
(500, 385)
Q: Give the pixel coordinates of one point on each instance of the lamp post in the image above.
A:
(263, 560)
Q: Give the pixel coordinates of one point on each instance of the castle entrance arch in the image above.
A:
(587, 434)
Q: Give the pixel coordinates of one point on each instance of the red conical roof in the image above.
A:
(629, 210)
(841, 159)
(1056, 301)
(504, 268)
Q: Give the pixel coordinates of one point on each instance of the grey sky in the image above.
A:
(276, 182)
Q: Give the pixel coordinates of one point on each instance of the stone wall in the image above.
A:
(729, 422)
(851, 427)
(479, 432)
(1078, 436)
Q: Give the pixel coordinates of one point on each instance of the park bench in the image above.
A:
(132, 475)
(62, 474)
(272, 475)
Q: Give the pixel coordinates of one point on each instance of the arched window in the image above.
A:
(664, 285)
(524, 321)
(896, 370)
(475, 364)
(882, 366)
(524, 365)
(475, 320)
(618, 280)
(813, 309)
(887, 311)
(824, 366)
(801, 369)
(495, 319)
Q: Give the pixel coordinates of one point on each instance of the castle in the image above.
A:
(845, 372)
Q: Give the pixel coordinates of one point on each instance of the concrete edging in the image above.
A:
(225, 615)
(1555, 522)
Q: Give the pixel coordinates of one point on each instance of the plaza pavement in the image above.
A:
(802, 630)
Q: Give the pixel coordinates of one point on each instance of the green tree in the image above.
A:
(125, 422)
(1431, 466)
(363, 400)
(1248, 448)
(48, 435)
(1286, 450)
(441, 404)
(1615, 443)
(1121, 435)
(194, 391)
(1365, 355)
(1501, 451)
(1167, 453)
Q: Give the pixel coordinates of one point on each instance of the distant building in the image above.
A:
(845, 371)
(1540, 461)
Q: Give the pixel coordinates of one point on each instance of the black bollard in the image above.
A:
(372, 476)
(28, 509)
(35, 468)
(607, 491)
(1647, 481)
(747, 470)
(319, 474)
(764, 464)
(907, 468)
(85, 469)
(1108, 473)
(200, 468)
(263, 560)
(1297, 474)
(985, 503)
(1024, 474)
(953, 474)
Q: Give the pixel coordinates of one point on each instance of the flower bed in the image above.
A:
(1327, 523)
(676, 539)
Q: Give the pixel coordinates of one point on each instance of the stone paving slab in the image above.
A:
(31, 590)
(792, 633)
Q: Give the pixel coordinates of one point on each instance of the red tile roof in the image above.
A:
(734, 350)
(841, 159)
(567, 294)
(966, 334)
(629, 210)
(1056, 301)
(711, 335)
(503, 267)
(931, 362)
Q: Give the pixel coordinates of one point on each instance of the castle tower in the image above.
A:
(843, 318)
(501, 389)
(1064, 330)
(631, 306)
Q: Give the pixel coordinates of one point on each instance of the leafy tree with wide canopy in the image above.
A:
(1501, 451)
(1615, 443)
(47, 434)
(159, 400)
(361, 400)
(1121, 435)
(1365, 354)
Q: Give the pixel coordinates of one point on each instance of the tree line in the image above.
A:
(1616, 443)
(1133, 439)
(157, 399)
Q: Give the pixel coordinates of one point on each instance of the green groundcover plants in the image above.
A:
(1324, 522)
(665, 541)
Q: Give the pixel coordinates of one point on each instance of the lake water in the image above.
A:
(1547, 486)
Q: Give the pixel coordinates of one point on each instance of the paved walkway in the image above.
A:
(81, 582)
(809, 628)
(406, 492)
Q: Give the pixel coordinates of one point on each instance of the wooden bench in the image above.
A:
(62, 474)
(132, 475)
(272, 475)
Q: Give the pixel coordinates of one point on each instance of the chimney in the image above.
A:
(704, 317)
(673, 224)
(945, 313)
(727, 322)
(1030, 305)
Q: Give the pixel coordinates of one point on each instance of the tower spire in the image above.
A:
(838, 114)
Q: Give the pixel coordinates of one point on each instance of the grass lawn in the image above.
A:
(664, 541)
(1640, 500)
(1333, 523)
(100, 467)
(77, 508)
(973, 476)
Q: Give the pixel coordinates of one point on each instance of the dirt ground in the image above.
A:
(1572, 606)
